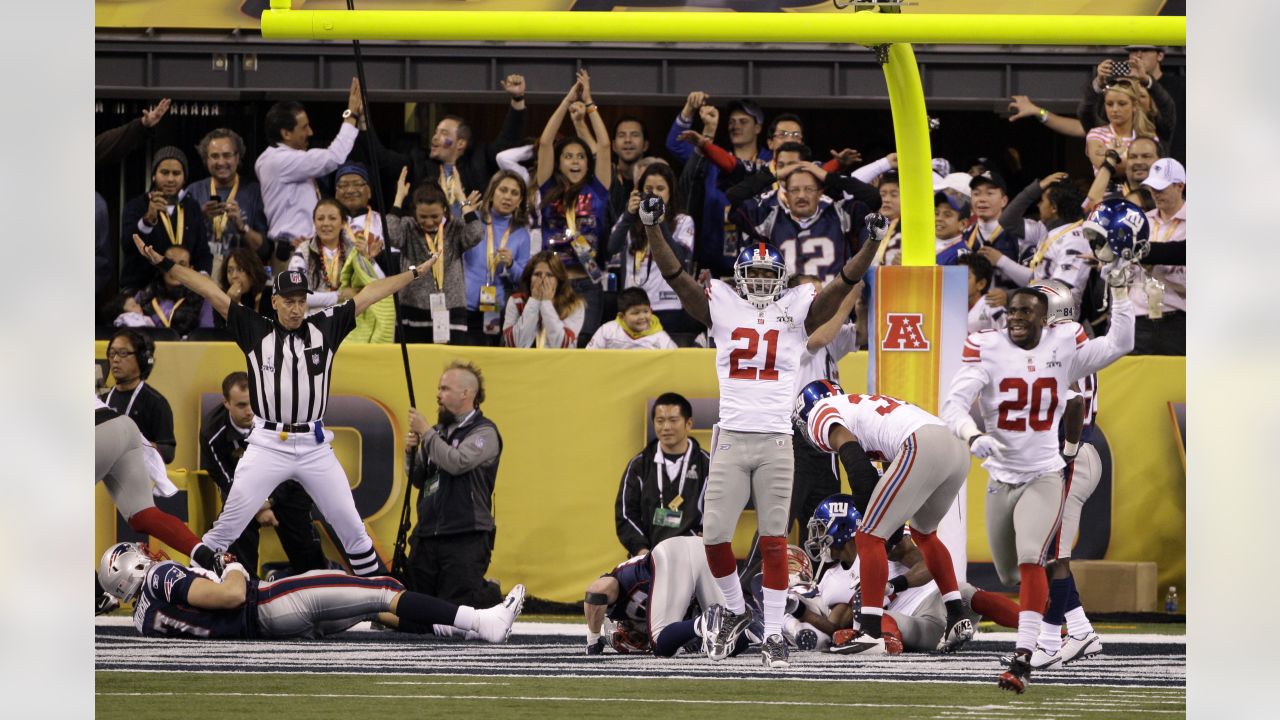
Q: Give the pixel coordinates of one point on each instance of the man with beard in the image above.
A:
(455, 465)
(630, 144)
(164, 216)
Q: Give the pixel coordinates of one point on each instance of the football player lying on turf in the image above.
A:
(178, 601)
(915, 616)
(649, 596)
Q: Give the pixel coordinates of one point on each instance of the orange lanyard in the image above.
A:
(1172, 225)
(437, 248)
(168, 225)
(451, 185)
(166, 319)
(571, 220)
(220, 222)
(333, 269)
(1049, 241)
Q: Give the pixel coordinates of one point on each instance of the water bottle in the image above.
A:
(1171, 600)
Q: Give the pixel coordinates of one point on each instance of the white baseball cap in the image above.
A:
(959, 182)
(1165, 172)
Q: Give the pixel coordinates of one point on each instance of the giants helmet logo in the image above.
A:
(904, 332)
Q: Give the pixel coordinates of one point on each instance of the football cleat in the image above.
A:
(807, 640)
(1041, 659)
(105, 604)
(849, 642)
(721, 629)
(494, 624)
(959, 632)
(1080, 648)
(774, 652)
(1018, 676)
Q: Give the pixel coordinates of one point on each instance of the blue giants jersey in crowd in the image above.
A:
(162, 609)
(635, 580)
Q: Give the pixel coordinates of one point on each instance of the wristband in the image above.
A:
(1108, 167)
(974, 437)
(165, 265)
(590, 105)
(673, 276)
(899, 583)
(517, 98)
(591, 108)
(846, 279)
(1044, 116)
(1070, 449)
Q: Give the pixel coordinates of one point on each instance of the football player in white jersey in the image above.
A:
(1021, 378)
(1082, 474)
(927, 466)
(760, 332)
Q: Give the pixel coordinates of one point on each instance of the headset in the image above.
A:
(143, 347)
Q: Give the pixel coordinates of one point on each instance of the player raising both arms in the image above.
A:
(927, 466)
(760, 331)
(1021, 377)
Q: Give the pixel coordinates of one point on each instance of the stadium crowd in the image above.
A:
(538, 237)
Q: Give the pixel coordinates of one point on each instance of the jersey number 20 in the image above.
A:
(740, 355)
(1041, 417)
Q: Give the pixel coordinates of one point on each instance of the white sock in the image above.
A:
(1050, 637)
(446, 630)
(775, 606)
(1077, 623)
(732, 591)
(1029, 623)
(953, 595)
(466, 618)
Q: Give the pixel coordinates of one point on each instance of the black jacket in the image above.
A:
(638, 499)
(135, 271)
(221, 446)
(456, 470)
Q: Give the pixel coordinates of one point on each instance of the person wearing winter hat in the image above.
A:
(164, 216)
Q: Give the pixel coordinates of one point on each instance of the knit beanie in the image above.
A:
(169, 152)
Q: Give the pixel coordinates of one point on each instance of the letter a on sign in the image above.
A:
(904, 332)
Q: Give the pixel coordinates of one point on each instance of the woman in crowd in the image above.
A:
(545, 313)
(630, 248)
(496, 263)
(1126, 119)
(245, 279)
(322, 257)
(574, 187)
(377, 324)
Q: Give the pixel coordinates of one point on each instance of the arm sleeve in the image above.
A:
(1011, 218)
(479, 448)
(1167, 123)
(341, 320)
(618, 236)
(872, 170)
(1168, 253)
(509, 136)
(399, 229)
(510, 160)
(681, 150)
(1020, 274)
(112, 145)
(720, 157)
(389, 161)
(751, 186)
(965, 387)
(1093, 355)
(301, 166)
(246, 327)
(854, 188)
(472, 233)
(627, 510)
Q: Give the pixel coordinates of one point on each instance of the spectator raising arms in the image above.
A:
(434, 308)
(629, 247)
(546, 313)
(494, 265)
(171, 305)
(164, 217)
(321, 258)
(575, 200)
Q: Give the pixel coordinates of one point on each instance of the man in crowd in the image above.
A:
(630, 143)
(660, 495)
(1160, 300)
(1150, 58)
(455, 463)
(288, 169)
(224, 437)
(232, 210)
(1143, 152)
(132, 356)
(165, 216)
(169, 304)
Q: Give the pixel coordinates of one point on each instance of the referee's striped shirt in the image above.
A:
(289, 371)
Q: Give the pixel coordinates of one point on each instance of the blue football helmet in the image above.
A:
(1118, 229)
(834, 523)
(760, 291)
(808, 397)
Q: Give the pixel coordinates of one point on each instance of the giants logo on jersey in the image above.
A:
(904, 332)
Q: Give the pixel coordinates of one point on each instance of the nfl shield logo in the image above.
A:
(295, 276)
(313, 358)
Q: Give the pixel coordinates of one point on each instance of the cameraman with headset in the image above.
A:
(131, 356)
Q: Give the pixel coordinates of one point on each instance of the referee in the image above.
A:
(289, 361)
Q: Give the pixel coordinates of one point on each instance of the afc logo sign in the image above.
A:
(904, 331)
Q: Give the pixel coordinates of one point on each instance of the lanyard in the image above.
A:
(571, 220)
(332, 269)
(451, 185)
(1049, 241)
(661, 460)
(502, 245)
(220, 222)
(366, 228)
(136, 392)
(437, 248)
(155, 305)
(168, 225)
(1172, 225)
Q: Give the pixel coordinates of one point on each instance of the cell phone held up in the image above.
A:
(1120, 69)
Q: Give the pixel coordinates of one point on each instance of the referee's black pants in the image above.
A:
(292, 507)
(452, 568)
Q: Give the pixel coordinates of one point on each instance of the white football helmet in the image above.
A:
(122, 569)
(760, 291)
(1062, 304)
